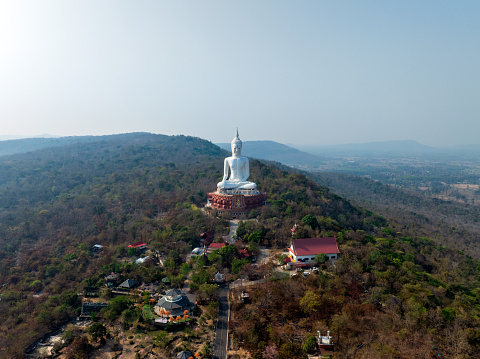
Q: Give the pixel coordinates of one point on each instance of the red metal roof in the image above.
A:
(216, 245)
(245, 252)
(136, 245)
(314, 246)
(207, 234)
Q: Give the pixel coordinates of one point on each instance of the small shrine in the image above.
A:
(218, 277)
(325, 344)
(234, 194)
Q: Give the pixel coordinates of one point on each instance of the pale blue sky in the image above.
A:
(300, 72)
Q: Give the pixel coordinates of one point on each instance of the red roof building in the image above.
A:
(206, 238)
(216, 245)
(244, 253)
(305, 249)
(137, 245)
(206, 234)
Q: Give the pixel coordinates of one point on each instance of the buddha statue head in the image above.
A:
(236, 146)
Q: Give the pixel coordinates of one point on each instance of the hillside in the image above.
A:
(454, 224)
(389, 287)
(57, 202)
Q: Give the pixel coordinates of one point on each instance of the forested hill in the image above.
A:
(454, 224)
(392, 292)
(57, 202)
(47, 173)
(132, 166)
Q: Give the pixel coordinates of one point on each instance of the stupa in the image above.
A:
(235, 194)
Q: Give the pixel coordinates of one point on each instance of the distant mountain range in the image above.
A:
(19, 137)
(316, 157)
(467, 148)
(385, 147)
(274, 151)
(299, 156)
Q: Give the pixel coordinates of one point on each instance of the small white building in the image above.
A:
(141, 260)
(197, 251)
(305, 249)
(325, 344)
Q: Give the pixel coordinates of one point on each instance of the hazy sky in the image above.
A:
(300, 72)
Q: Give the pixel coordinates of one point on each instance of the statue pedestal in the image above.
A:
(237, 203)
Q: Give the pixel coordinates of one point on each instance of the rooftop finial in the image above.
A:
(236, 139)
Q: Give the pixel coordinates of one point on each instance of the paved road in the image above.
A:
(233, 230)
(221, 334)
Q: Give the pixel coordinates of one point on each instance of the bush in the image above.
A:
(310, 345)
(97, 331)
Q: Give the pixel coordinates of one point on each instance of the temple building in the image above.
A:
(234, 194)
(305, 249)
(173, 302)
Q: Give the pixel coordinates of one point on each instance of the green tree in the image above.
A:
(36, 286)
(238, 264)
(310, 302)
(448, 314)
(129, 315)
(241, 229)
(228, 253)
(208, 292)
(184, 269)
(115, 307)
(321, 258)
(310, 344)
(45, 317)
(203, 275)
(97, 331)
(311, 221)
(254, 248)
(256, 236)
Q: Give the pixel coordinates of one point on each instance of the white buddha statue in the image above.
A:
(236, 170)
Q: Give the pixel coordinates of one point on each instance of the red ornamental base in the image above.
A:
(237, 203)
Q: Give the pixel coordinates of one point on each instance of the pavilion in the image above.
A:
(173, 302)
